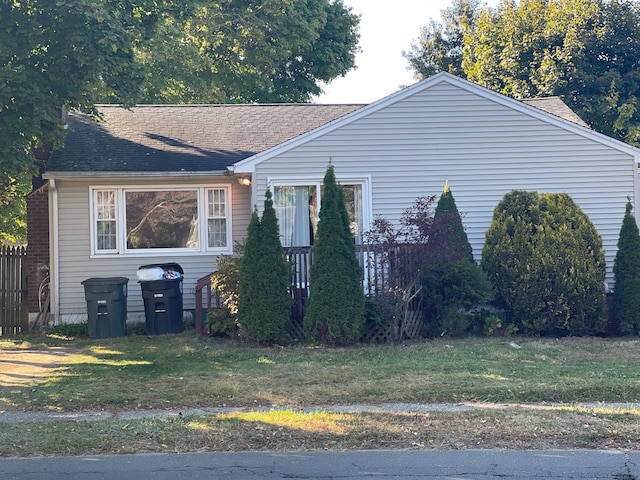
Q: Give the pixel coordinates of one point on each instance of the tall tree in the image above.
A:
(250, 51)
(64, 55)
(335, 313)
(439, 46)
(57, 56)
(585, 51)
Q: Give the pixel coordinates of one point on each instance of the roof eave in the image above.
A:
(61, 175)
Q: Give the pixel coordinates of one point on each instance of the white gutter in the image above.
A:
(54, 269)
(82, 175)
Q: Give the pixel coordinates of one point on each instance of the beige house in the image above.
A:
(161, 184)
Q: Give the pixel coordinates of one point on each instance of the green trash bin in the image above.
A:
(106, 306)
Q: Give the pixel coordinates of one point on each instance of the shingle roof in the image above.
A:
(183, 138)
(200, 138)
(557, 107)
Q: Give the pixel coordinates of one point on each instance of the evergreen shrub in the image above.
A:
(452, 281)
(546, 261)
(264, 304)
(626, 270)
(335, 309)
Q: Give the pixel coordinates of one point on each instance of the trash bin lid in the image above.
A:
(105, 281)
(172, 267)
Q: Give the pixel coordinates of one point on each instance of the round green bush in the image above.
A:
(546, 262)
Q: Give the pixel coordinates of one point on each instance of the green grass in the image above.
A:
(179, 371)
(182, 371)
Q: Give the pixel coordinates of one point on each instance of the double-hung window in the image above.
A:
(130, 220)
(297, 204)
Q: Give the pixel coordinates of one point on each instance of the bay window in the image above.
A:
(134, 220)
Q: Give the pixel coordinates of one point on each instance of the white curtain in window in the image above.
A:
(292, 205)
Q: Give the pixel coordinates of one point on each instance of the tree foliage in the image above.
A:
(626, 269)
(546, 261)
(264, 306)
(585, 51)
(335, 312)
(439, 46)
(249, 51)
(63, 55)
(449, 241)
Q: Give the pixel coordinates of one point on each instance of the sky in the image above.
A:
(387, 28)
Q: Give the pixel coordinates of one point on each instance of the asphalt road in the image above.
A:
(351, 465)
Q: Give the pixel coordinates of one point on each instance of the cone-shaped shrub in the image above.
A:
(264, 307)
(452, 281)
(335, 311)
(248, 285)
(626, 269)
(449, 240)
(546, 261)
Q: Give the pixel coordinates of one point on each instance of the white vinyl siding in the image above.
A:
(76, 263)
(485, 149)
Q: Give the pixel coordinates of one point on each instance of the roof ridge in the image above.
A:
(229, 105)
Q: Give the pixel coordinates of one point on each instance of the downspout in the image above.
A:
(54, 273)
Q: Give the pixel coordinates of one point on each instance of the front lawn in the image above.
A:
(182, 371)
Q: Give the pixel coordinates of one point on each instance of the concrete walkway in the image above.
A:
(93, 416)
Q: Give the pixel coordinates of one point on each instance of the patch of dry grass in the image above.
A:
(514, 428)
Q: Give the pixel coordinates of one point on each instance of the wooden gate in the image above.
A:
(14, 312)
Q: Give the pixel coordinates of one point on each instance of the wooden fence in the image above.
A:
(14, 312)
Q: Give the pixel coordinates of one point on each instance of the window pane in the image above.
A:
(106, 235)
(164, 219)
(216, 218)
(353, 202)
(106, 205)
(105, 220)
(217, 203)
(217, 232)
(297, 211)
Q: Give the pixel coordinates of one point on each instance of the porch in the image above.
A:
(376, 276)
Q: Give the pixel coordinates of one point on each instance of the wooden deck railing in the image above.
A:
(375, 276)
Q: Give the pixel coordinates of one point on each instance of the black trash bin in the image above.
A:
(106, 306)
(163, 305)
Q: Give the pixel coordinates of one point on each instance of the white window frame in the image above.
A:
(301, 181)
(202, 205)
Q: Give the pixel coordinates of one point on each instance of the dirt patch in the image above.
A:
(23, 366)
